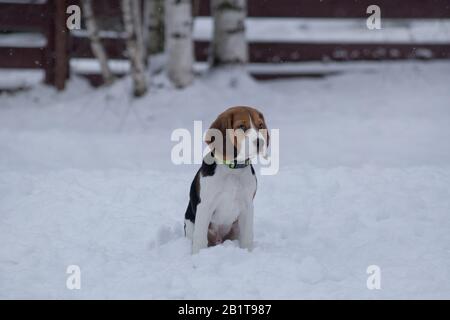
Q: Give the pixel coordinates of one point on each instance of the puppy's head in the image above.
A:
(239, 133)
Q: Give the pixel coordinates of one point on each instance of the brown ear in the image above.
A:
(265, 127)
(218, 124)
(223, 122)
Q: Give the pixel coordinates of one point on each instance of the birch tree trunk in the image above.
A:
(96, 46)
(154, 26)
(229, 43)
(135, 44)
(179, 44)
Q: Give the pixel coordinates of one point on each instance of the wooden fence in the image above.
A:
(49, 19)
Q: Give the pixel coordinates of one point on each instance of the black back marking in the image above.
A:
(194, 199)
(205, 170)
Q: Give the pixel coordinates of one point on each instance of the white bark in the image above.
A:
(179, 44)
(96, 46)
(229, 43)
(135, 44)
(154, 25)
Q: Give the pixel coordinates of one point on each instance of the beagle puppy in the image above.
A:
(222, 192)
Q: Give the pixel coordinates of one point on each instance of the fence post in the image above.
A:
(57, 57)
(50, 47)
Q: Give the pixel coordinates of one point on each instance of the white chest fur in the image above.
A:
(225, 198)
(230, 191)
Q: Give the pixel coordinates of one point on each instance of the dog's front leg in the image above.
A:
(202, 221)
(245, 222)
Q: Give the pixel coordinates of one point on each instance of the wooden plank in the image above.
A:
(272, 76)
(102, 8)
(296, 52)
(81, 48)
(61, 45)
(340, 8)
(292, 52)
(50, 58)
(22, 58)
(107, 12)
(23, 16)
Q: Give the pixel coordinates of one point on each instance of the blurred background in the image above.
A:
(280, 35)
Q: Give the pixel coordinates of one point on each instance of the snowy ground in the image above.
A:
(86, 179)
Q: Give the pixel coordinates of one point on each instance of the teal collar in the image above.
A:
(232, 164)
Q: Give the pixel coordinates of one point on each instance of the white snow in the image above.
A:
(86, 179)
(23, 40)
(13, 79)
(340, 30)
